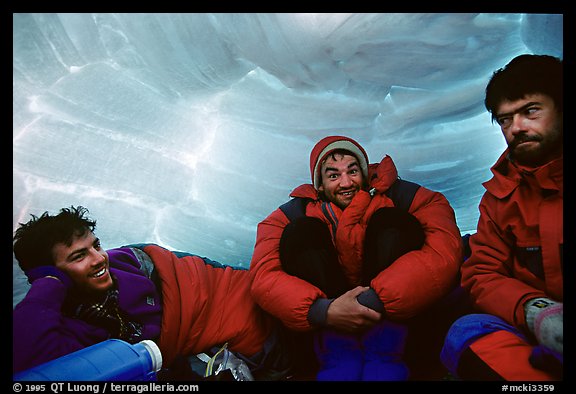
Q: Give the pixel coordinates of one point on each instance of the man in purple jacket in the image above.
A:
(82, 294)
(73, 288)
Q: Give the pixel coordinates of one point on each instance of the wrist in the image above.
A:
(533, 308)
(318, 312)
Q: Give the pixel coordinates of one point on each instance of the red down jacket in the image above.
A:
(410, 284)
(517, 249)
(206, 305)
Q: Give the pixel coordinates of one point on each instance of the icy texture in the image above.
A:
(186, 130)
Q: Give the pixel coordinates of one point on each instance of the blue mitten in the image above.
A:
(546, 359)
(48, 270)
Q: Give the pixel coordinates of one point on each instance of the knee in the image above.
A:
(301, 235)
(305, 232)
(466, 330)
(472, 325)
(403, 224)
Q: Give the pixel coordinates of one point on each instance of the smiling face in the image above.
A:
(341, 178)
(85, 262)
(533, 129)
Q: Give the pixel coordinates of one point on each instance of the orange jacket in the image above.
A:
(206, 304)
(411, 283)
(517, 250)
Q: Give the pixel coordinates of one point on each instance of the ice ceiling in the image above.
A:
(186, 130)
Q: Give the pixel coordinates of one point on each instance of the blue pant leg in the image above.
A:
(384, 346)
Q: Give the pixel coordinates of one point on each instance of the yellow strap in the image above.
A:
(210, 363)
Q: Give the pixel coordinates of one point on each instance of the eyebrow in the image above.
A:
(72, 254)
(81, 250)
(353, 164)
(522, 108)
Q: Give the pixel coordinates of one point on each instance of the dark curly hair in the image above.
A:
(35, 239)
(526, 74)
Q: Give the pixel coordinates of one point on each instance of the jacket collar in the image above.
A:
(381, 176)
(306, 190)
(508, 176)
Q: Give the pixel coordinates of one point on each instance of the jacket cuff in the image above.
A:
(532, 309)
(370, 299)
(318, 312)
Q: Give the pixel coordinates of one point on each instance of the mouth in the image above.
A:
(100, 273)
(523, 142)
(348, 194)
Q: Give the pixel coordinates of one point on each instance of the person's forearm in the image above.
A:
(38, 331)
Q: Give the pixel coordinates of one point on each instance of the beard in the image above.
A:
(538, 150)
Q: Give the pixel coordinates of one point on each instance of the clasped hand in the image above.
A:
(345, 313)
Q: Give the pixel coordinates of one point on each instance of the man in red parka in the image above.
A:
(354, 266)
(514, 274)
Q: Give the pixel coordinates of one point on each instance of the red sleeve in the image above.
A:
(487, 274)
(282, 295)
(421, 277)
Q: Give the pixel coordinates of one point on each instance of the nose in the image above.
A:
(345, 180)
(517, 125)
(98, 256)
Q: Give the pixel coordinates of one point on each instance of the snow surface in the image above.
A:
(187, 130)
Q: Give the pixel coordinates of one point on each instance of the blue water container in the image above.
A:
(111, 360)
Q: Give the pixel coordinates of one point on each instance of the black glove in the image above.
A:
(48, 270)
